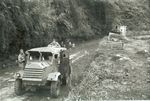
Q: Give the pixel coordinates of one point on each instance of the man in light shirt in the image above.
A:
(21, 59)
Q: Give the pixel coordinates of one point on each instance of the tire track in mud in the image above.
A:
(7, 84)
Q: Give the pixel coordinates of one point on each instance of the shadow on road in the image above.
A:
(44, 95)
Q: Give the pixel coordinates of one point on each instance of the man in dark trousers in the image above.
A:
(21, 59)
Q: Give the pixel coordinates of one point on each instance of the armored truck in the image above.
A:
(47, 67)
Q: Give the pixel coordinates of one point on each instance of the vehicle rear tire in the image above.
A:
(55, 89)
(18, 87)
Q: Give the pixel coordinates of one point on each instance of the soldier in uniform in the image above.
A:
(68, 44)
(21, 59)
(62, 44)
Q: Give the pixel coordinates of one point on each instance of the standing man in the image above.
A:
(62, 44)
(68, 44)
(21, 59)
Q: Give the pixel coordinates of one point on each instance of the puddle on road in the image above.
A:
(74, 55)
(80, 56)
(7, 94)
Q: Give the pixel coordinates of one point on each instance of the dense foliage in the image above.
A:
(32, 23)
(20, 25)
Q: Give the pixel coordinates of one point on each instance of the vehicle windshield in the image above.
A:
(47, 56)
(34, 56)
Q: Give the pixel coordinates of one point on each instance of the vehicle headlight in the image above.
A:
(18, 74)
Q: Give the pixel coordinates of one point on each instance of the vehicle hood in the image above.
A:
(40, 65)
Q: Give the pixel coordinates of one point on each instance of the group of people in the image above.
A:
(68, 44)
(54, 43)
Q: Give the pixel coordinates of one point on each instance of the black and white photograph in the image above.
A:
(74, 50)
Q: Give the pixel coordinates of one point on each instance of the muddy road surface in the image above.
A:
(7, 81)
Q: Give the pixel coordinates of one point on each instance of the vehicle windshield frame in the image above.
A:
(47, 56)
(31, 58)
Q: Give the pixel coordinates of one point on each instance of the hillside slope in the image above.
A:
(114, 74)
(31, 23)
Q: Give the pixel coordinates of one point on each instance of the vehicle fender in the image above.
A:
(18, 75)
(53, 76)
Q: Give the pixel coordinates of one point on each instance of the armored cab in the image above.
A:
(47, 67)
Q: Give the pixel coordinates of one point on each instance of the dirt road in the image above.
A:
(7, 80)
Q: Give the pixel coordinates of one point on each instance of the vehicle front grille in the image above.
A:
(32, 74)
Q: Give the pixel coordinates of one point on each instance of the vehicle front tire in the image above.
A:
(55, 89)
(18, 87)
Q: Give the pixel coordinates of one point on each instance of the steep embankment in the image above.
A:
(115, 73)
(32, 23)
